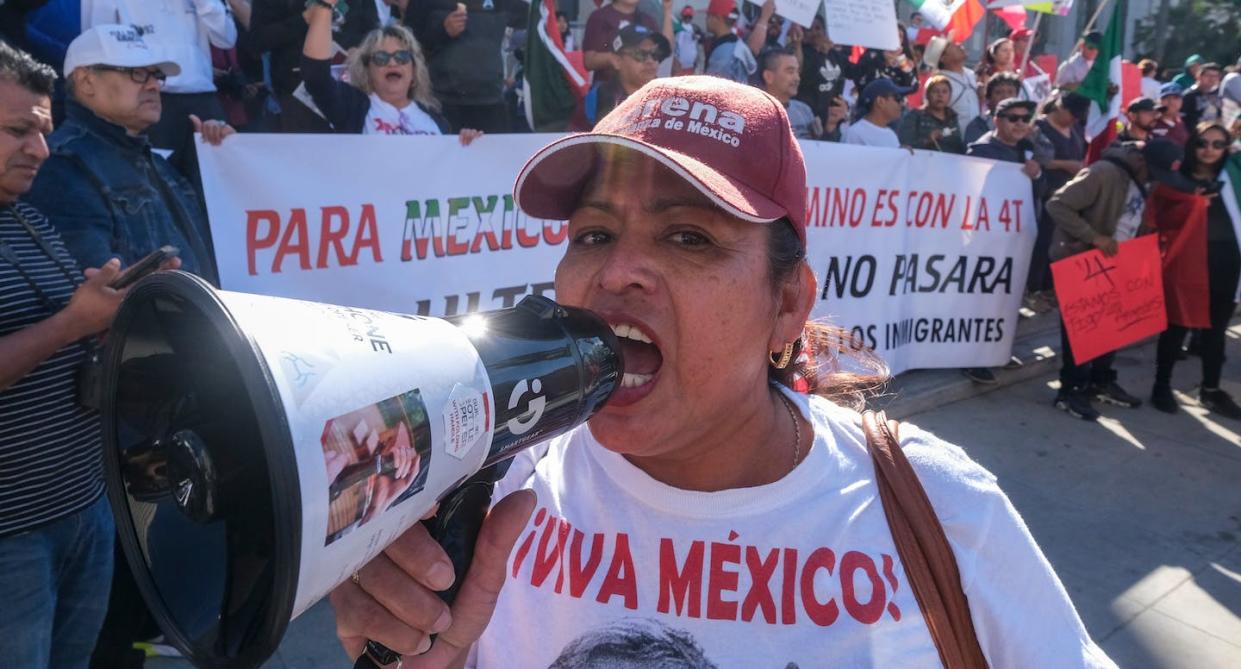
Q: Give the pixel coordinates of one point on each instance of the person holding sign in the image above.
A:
(729, 57)
(706, 465)
(1204, 163)
(1098, 208)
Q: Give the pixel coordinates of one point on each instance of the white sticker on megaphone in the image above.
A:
(466, 420)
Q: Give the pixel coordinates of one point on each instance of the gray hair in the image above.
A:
(419, 89)
(638, 640)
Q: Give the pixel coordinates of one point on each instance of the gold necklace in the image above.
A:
(796, 428)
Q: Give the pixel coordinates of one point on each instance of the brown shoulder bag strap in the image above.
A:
(920, 541)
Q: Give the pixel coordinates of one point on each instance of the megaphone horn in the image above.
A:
(259, 450)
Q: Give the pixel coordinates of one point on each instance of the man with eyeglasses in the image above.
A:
(638, 52)
(108, 194)
(1010, 142)
(184, 31)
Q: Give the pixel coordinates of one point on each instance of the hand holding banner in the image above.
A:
(1108, 303)
(800, 12)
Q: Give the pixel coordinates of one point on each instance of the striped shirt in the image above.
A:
(50, 447)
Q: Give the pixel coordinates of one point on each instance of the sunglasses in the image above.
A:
(1215, 144)
(139, 75)
(1016, 118)
(643, 55)
(381, 58)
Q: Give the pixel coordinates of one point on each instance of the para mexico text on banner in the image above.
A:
(1108, 303)
(921, 255)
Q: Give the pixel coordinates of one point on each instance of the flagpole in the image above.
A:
(1025, 55)
(1094, 19)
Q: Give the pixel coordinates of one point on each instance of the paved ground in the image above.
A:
(1140, 514)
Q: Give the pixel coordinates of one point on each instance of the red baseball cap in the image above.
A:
(723, 8)
(730, 141)
(1020, 34)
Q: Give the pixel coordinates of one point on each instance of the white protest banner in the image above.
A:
(868, 23)
(922, 256)
(407, 224)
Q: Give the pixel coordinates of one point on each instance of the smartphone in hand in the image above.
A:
(150, 263)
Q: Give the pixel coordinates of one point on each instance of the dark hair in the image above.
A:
(1002, 79)
(768, 57)
(1148, 67)
(828, 360)
(1190, 164)
(1211, 66)
(21, 68)
(643, 641)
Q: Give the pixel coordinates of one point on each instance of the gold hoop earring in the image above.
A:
(786, 356)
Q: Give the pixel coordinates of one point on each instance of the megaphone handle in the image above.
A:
(456, 528)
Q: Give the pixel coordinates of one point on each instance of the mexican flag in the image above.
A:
(1057, 7)
(554, 79)
(955, 18)
(1103, 123)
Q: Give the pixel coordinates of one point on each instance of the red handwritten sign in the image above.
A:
(1107, 303)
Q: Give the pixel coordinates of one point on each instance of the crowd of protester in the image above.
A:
(127, 83)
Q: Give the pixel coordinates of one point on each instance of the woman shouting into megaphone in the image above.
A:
(727, 508)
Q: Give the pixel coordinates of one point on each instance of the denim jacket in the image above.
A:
(109, 195)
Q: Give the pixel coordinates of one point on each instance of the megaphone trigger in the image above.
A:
(456, 528)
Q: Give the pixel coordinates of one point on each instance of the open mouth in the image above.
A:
(393, 76)
(642, 357)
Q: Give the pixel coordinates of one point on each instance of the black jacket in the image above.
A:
(277, 26)
(345, 106)
(467, 69)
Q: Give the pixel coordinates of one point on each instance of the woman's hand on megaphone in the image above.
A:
(393, 599)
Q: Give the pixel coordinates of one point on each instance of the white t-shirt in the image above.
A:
(1131, 218)
(868, 134)
(385, 119)
(183, 31)
(963, 96)
(800, 572)
(1151, 88)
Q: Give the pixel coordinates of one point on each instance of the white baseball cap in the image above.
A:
(117, 46)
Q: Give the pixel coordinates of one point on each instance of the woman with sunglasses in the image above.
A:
(1205, 165)
(388, 90)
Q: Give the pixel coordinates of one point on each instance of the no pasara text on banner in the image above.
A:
(1108, 303)
(921, 255)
